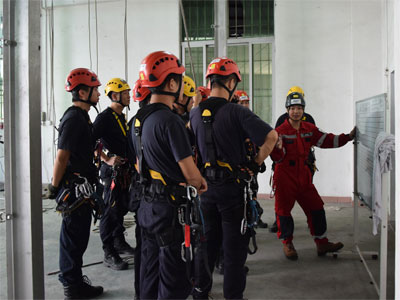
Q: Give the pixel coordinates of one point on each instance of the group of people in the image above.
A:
(183, 164)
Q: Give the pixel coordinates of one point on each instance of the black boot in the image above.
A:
(261, 224)
(274, 228)
(83, 290)
(114, 261)
(123, 247)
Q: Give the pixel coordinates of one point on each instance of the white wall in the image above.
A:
(152, 25)
(333, 50)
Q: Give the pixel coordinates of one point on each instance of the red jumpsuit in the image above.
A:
(293, 179)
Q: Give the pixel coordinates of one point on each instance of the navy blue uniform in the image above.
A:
(75, 136)
(134, 202)
(223, 204)
(163, 274)
(111, 129)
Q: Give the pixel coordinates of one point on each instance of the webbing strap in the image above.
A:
(124, 130)
(138, 122)
(209, 109)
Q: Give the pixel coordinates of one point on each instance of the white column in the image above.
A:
(23, 186)
(220, 27)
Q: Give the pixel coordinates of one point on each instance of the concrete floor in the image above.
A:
(271, 275)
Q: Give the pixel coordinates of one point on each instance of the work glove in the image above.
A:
(263, 168)
(254, 167)
(52, 191)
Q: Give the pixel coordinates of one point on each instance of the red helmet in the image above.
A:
(242, 95)
(156, 66)
(205, 92)
(81, 76)
(139, 92)
(223, 66)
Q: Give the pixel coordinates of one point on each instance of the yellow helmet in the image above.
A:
(295, 89)
(116, 85)
(189, 87)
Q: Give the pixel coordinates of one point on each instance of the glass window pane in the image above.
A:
(199, 15)
(197, 56)
(251, 18)
(262, 81)
(240, 54)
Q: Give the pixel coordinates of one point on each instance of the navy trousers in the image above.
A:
(222, 207)
(74, 238)
(162, 270)
(112, 221)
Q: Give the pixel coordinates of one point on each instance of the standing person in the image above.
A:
(74, 171)
(311, 156)
(111, 128)
(244, 100)
(223, 159)
(141, 95)
(293, 180)
(184, 105)
(166, 165)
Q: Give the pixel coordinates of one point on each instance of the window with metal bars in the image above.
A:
(251, 18)
(247, 18)
(199, 15)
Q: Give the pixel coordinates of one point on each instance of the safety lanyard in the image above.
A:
(120, 124)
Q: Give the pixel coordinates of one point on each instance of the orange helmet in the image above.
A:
(140, 92)
(81, 76)
(242, 95)
(156, 66)
(205, 92)
(223, 66)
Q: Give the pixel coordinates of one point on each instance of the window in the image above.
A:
(262, 81)
(249, 45)
(251, 18)
(199, 15)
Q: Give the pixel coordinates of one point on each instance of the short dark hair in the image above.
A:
(75, 91)
(110, 95)
(216, 79)
(145, 101)
(173, 76)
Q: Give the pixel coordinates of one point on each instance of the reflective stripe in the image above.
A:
(323, 236)
(293, 136)
(321, 140)
(336, 141)
(306, 134)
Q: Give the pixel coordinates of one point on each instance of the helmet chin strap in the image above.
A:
(185, 106)
(88, 101)
(227, 89)
(174, 94)
(120, 102)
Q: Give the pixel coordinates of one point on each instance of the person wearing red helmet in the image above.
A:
(166, 166)
(202, 95)
(243, 98)
(75, 184)
(111, 129)
(141, 94)
(292, 178)
(220, 128)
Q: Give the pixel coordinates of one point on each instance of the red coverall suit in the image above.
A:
(293, 179)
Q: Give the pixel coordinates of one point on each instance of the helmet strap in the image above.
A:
(174, 94)
(227, 89)
(185, 106)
